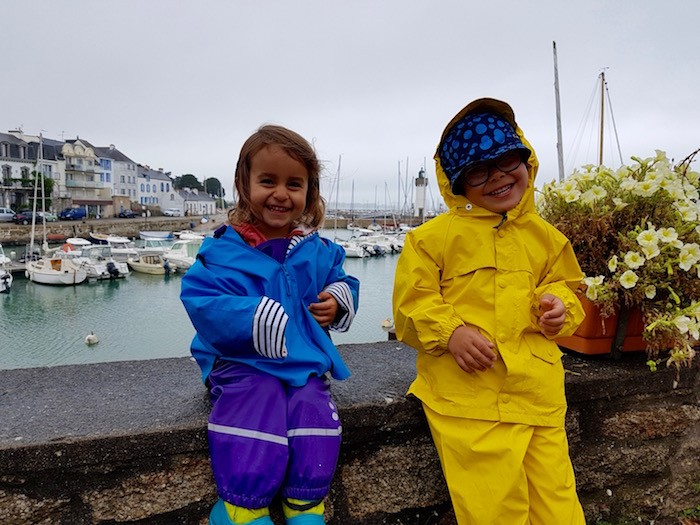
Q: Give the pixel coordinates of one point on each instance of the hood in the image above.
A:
(459, 203)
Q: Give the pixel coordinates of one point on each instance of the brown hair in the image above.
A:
(296, 147)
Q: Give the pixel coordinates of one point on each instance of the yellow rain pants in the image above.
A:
(506, 473)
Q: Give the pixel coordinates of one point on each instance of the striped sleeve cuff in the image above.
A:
(269, 323)
(346, 311)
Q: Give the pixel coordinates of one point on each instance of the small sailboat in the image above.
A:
(58, 269)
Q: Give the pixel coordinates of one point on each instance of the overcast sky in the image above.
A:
(181, 85)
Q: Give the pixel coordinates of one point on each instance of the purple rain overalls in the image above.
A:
(266, 437)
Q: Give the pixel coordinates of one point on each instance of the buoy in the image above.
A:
(67, 247)
(91, 339)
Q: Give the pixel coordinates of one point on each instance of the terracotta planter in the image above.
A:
(597, 335)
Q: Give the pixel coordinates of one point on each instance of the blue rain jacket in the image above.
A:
(227, 283)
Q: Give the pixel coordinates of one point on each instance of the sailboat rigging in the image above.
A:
(601, 87)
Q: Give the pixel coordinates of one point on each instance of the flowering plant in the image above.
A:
(636, 233)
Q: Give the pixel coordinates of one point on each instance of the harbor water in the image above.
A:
(141, 317)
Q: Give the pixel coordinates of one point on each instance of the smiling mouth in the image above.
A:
(501, 191)
(277, 209)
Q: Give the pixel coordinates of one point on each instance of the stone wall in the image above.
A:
(126, 443)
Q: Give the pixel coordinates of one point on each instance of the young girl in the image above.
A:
(262, 296)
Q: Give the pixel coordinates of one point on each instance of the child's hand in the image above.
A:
(325, 310)
(471, 350)
(552, 314)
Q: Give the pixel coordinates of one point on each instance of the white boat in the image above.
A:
(99, 264)
(156, 234)
(183, 253)
(5, 273)
(122, 248)
(380, 244)
(153, 263)
(188, 235)
(59, 269)
(98, 238)
(353, 250)
(144, 246)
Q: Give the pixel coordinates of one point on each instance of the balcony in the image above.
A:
(85, 184)
(82, 168)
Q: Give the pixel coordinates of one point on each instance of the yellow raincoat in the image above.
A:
(469, 266)
(459, 269)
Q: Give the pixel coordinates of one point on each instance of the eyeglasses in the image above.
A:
(478, 175)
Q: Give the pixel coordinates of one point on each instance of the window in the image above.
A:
(162, 187)
(142, 187)
(24, 173)
(4, 149)
(148, 188)
(121, 179)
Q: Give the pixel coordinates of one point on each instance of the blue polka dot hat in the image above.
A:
(476, 137)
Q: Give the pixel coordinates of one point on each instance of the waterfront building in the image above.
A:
(18, 157)
(122, 172)
(82, 180)
(155, 188)
(196, 203)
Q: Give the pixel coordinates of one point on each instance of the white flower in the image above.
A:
(612, 263)
(682, 322)
(650, 291)
(571, 196)
(694, 330)
(668, 235)
(651, 251)
(628, 279)
(688, 256)
(648, 238)
(628, 184)
(634, 260)
(646, 188)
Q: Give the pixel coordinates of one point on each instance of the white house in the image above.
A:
(195, 203)
(155, 188)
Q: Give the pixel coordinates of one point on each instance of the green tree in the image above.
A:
(187, 181)
(213, 187)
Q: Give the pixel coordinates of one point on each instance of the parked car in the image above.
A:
(6, 214)
(172, 212)
(127, 214)
(50, 217)
(72, 214)
(25, 217)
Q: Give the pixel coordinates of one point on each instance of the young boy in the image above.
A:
(481, 292)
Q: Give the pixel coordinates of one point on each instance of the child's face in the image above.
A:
(502, 190)
(278, 186)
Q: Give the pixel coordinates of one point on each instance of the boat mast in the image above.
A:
(337, 191)
(560, 153)
(602, 120)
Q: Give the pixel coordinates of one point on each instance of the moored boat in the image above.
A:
(147, 234)
(99, 264)
(183, 253)
(58, 270)
(152, 263)
(5, 274)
